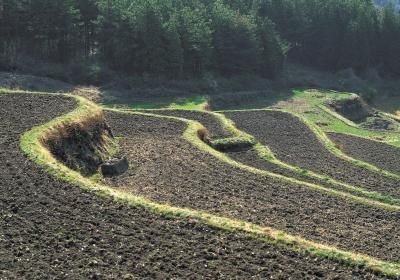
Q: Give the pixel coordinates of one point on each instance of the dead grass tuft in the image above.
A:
(67, 130)
(204, 135)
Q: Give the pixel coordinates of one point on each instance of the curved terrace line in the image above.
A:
(329, 145)
(32, 146)
(265, 153)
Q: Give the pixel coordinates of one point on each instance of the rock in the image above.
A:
(320, 123)
(114, 167)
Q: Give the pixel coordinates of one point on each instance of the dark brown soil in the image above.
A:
(51, 230)
(165, 168)
(381, 155)
(246, 156)
(210, 122)
(251, 158)
(293, 142)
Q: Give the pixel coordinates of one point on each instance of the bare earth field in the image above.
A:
(50, 229)
(293, 142)
(248, 157)
(210, 122)
(166, 168)
(381, 155)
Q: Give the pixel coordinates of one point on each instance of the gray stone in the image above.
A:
(114, 167)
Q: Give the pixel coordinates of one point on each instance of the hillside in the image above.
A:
(199, 139)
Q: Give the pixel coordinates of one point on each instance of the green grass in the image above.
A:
(315, 110)
(187, 103)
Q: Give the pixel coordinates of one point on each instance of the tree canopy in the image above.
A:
(188, 38)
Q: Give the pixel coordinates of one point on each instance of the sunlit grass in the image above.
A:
(312, 105)
(182, 103)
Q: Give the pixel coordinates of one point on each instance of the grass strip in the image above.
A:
(32, 144)
(337, 152)
(329, 145)
(265, 153)
(190, 135)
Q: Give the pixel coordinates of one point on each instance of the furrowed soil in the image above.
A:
(248, 157)
(381, 155)
(166, 168)
(210, 122)
(51, 230)
(293, 142)
(251, 158)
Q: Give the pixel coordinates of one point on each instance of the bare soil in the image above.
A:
(166, 168)
(51, 230)
(210, 122)
(247, 156)
(293, 142)
(381, 155)
(251, 158)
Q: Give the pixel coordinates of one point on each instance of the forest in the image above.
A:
(183, 39)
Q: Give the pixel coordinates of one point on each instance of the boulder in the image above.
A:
(114, 167)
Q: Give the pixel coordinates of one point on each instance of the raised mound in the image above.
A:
(353, 108)
(357, 110)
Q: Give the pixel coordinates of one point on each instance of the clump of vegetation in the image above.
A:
(233, 144)
(82, 146)
(204, 135)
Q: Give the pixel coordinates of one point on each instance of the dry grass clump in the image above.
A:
(81, 145)
(204, 135)
(66, 130)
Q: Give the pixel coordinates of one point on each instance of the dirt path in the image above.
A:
(49, 229)
(166, 168)
(293, 142)
(381, 155)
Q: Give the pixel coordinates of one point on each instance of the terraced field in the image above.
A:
(182, 210)
(213, 125)
(293, 142)
(166, 168)
(379, 154)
